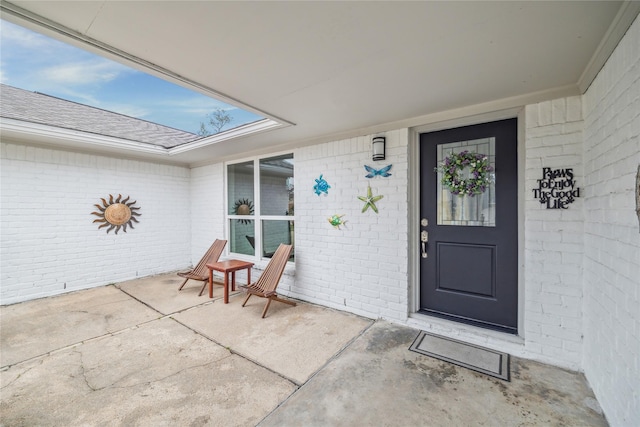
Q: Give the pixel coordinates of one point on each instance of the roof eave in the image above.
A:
(238, 132)
(47, 135)
(51, 135)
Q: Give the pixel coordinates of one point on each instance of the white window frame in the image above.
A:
(257, 217)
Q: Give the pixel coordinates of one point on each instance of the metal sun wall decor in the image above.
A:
(557, 188)
(383, 172)
(321, 186)
(243, 207)
(116, 213)
(370, 201)
(336, 221)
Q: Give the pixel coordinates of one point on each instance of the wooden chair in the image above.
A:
(266, 285)
(200, 271)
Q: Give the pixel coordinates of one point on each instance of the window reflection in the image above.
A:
(276, 185)
(239, 188)
(274, 233)
(242, 236)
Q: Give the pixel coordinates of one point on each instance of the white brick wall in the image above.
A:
(206, 208)
(361, 268)
(553, 238)
(612, 241)
(49, 244)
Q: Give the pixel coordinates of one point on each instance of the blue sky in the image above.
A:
(31, 61)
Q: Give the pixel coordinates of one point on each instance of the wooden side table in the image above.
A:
(226, 267)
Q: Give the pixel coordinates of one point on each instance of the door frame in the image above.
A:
(414, 203)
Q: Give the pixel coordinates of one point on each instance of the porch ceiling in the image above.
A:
(336, 69)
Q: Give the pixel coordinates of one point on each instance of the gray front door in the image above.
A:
(469, 225)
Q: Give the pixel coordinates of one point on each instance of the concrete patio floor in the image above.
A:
(140, 353)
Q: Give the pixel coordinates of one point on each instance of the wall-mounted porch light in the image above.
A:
(378, 147)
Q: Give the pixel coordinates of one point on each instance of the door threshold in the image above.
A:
(459, 319)
(502, 341)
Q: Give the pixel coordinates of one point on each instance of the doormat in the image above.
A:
(479, 359)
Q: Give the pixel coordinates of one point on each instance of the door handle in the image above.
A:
(424, 238)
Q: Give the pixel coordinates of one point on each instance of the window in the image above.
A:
(260, 209)
(464, 210)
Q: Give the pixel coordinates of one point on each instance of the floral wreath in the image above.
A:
(478, 180)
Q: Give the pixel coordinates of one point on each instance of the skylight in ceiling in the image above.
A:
(37, 63)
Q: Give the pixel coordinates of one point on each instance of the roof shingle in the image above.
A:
(35, 107)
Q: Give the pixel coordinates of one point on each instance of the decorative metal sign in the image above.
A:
(557, 188)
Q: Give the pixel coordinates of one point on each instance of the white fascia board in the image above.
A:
(22, 130)
(61, 136)
(244, 130)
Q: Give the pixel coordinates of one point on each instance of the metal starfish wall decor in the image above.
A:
(370, 201)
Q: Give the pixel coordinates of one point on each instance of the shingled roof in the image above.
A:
(35, 107)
